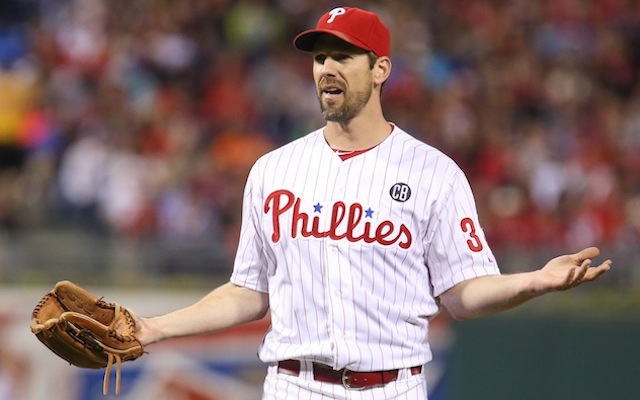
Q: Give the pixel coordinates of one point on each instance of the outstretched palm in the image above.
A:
(567, 271)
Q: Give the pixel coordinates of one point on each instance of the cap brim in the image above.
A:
(306, 40)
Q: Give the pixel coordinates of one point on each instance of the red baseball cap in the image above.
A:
(358, 27)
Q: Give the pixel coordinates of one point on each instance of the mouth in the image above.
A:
(330, 92)
(330, 87)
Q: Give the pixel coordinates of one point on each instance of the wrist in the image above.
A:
(536, 285)
(147, 332)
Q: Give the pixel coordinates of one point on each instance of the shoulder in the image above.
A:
(294, 149)
(422, 155)
(311, 139)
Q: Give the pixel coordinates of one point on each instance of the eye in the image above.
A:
(319, 58)
(341, 57)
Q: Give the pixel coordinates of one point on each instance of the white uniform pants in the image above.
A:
(279, 386)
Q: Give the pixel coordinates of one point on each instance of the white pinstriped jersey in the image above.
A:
(354, 253)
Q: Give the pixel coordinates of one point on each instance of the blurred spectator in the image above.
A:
(141, 119)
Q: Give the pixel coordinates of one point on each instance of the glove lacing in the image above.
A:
(115, 358)
(105, 384)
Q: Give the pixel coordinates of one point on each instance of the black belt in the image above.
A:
(347, 378)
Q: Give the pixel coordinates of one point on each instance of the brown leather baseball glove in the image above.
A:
(85, 330)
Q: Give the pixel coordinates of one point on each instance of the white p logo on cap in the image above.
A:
(334, 13)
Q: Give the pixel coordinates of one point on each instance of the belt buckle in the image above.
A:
(347, 384)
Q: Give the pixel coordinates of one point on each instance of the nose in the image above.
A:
(329, 67)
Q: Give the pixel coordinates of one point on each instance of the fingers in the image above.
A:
(595, 272)
(577, 274)
(589, 252)
(586, 273)
(582, 270)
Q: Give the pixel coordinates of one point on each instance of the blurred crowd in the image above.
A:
(142, 118)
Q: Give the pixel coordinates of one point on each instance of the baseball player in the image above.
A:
(353, 237)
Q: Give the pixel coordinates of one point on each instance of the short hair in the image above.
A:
(372, 59)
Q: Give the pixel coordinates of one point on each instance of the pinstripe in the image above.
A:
(349, 294)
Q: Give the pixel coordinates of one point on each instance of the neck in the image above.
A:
(357, 134)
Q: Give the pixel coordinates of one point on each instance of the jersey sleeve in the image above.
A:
(457, 247)
(250, 265)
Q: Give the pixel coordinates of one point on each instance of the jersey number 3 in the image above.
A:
(468, 227)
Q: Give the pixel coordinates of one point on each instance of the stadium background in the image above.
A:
(127, 129)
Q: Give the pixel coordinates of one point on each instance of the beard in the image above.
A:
(349, 109)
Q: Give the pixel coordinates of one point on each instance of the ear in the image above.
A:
(381, 70)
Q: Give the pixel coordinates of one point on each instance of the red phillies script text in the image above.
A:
(345, 222)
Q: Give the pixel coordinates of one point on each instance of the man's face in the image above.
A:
(343, 78)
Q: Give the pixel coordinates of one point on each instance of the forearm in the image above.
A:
(489, 294)
(225, 307)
